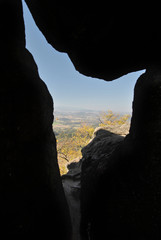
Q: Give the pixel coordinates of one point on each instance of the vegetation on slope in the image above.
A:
(72, 140)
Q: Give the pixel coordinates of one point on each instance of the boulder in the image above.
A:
(95, 161)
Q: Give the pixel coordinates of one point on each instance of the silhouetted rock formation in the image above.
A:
(31, 195)
(121, 179)
(95, 162)
(121, 192)
(102, 145)
(104, 40)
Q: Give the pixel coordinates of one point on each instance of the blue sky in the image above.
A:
(69, 88)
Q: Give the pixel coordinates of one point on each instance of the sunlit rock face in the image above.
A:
(104, 40)
(121, 192)
(31, 194)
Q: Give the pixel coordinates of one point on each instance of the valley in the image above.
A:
(68, 122)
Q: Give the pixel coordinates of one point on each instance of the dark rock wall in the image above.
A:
(121, 191)
(31, 194)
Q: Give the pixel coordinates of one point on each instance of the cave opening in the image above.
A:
(78, 100)
(114, 189)
(82, 106)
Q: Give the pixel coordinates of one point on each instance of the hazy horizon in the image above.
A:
(76, 109)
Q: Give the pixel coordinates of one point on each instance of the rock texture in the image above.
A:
(102, 40)
(32, 199)
(121, 192)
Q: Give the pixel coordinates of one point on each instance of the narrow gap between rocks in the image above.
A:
(79, 103)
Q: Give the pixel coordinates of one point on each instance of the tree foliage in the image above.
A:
(69, 145)
(109, 118)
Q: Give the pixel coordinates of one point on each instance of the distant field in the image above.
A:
(67, 122)
(73, 120)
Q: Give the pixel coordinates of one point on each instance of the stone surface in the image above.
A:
(102, 144)
(32, 199)
(121, 192)
(95, 161)
(103, 41)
